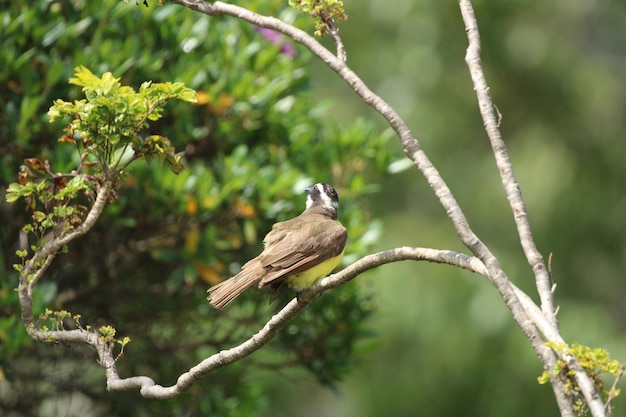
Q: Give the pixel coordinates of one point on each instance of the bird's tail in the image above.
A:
(226, 291)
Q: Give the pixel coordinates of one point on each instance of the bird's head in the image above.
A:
(323, 198)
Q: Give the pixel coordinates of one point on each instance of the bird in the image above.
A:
(297, 252)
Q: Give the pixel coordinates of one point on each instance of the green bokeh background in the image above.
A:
(443, 343)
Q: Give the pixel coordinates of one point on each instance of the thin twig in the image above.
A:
(613, 392)
(333, 31)
(491, 120)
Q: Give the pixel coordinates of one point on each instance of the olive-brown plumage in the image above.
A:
(297, 252)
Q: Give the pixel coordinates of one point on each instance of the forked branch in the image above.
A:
(491, 122)
(150, 389)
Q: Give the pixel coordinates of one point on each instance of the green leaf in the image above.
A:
(109, 84)
(188, 95)
(85, 78)
(39, 216)
(14, 192)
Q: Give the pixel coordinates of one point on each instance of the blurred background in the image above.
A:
(407, 339)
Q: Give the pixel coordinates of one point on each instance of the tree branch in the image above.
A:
(341, 50)
(41, 260)
(490, 118)
(405, 253)
(149, 389)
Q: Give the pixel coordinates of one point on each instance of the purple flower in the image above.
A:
(286, 47)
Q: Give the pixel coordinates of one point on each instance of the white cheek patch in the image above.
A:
(319, 195)
(328, 201)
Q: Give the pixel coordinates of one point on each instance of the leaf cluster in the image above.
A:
(112, 118)
(596, 362)
(103, 126)
(53, 200)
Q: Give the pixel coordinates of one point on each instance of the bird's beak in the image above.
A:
(308, 190)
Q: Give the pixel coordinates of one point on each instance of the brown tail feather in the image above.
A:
(226, 291)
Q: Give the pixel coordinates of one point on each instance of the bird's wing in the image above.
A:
(294, 252)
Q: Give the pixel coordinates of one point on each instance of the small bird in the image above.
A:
(297, 252)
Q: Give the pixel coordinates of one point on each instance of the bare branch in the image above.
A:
(491, 120)
(149, 389)
(341, 50)
(404, 253)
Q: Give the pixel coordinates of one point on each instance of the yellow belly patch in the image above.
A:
(305, 279)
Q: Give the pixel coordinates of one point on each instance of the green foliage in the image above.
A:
(325, 13)
(103, 127)
(112, 118)
(252, 143)
(107, 335)
(324, 336)
(55, 319)
(55, 196)
(596, 362)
